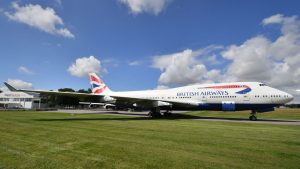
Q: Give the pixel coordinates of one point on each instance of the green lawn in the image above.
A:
(54, 140)
(278, 114)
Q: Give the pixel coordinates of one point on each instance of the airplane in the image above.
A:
(236, 96)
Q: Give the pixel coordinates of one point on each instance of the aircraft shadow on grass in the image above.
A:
(133, 116)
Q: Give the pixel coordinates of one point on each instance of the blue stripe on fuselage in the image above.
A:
(247, 90)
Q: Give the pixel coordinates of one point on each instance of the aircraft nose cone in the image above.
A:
(288, 98)
(291, 97)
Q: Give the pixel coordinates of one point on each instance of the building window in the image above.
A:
(6, 99)
(28, 99)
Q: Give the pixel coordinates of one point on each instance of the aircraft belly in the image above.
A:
(235, 107)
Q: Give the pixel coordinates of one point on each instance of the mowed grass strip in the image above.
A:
(278, 114)
(54, 140)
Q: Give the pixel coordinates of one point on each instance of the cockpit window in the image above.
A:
(262, 84)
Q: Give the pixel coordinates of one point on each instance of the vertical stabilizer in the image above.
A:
(98, 86)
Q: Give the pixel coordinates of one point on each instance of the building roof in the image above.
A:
(15, 95)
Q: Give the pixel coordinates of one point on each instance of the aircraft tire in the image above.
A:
(155, 113)
(253, 118)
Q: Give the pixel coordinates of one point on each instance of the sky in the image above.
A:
(149, 44)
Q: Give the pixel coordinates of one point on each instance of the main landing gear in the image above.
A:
(252, 116)
(156, 113)
(168, 113)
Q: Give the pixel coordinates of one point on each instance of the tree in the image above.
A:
(94, 99)
(84, 91)
(67, 100)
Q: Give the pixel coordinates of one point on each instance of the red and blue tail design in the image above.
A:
(98, 86)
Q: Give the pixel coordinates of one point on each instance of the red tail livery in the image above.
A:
(97, 84)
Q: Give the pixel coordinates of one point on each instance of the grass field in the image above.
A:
(57, 140)
(279, 114)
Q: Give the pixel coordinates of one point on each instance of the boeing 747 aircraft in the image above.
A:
(253, 96)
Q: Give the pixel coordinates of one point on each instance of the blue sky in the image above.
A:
(144, 44)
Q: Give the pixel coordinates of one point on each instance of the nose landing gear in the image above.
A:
(252, 116)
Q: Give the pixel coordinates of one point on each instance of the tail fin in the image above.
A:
(98, 86)
(10, 87)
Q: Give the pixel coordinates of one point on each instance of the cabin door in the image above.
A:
(203, 98)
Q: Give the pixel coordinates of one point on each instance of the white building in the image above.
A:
(17, 100)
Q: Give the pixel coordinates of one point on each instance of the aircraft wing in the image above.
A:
(152, 102)
(47, 92)
(123, 100)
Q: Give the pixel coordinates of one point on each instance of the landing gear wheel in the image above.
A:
(253, 118)
(167, 114)
(155, 112)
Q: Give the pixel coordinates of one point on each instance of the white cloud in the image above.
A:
(134, 63)
(44, 19)
(161, 87)
(275, 62)
(213, 60)
(111, 62)
(85, 65)
(213, 76)
(250, 61)
(146, 6)
(278, 18)
(179, 68)
(4, 89)
(25, 70)
(19, 84)
(184, 67)
(288, 24)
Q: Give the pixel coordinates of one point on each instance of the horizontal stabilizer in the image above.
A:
(11, 88)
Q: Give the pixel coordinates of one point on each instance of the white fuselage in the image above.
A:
(221, 96)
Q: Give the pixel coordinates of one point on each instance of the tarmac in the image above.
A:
(175, 115)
